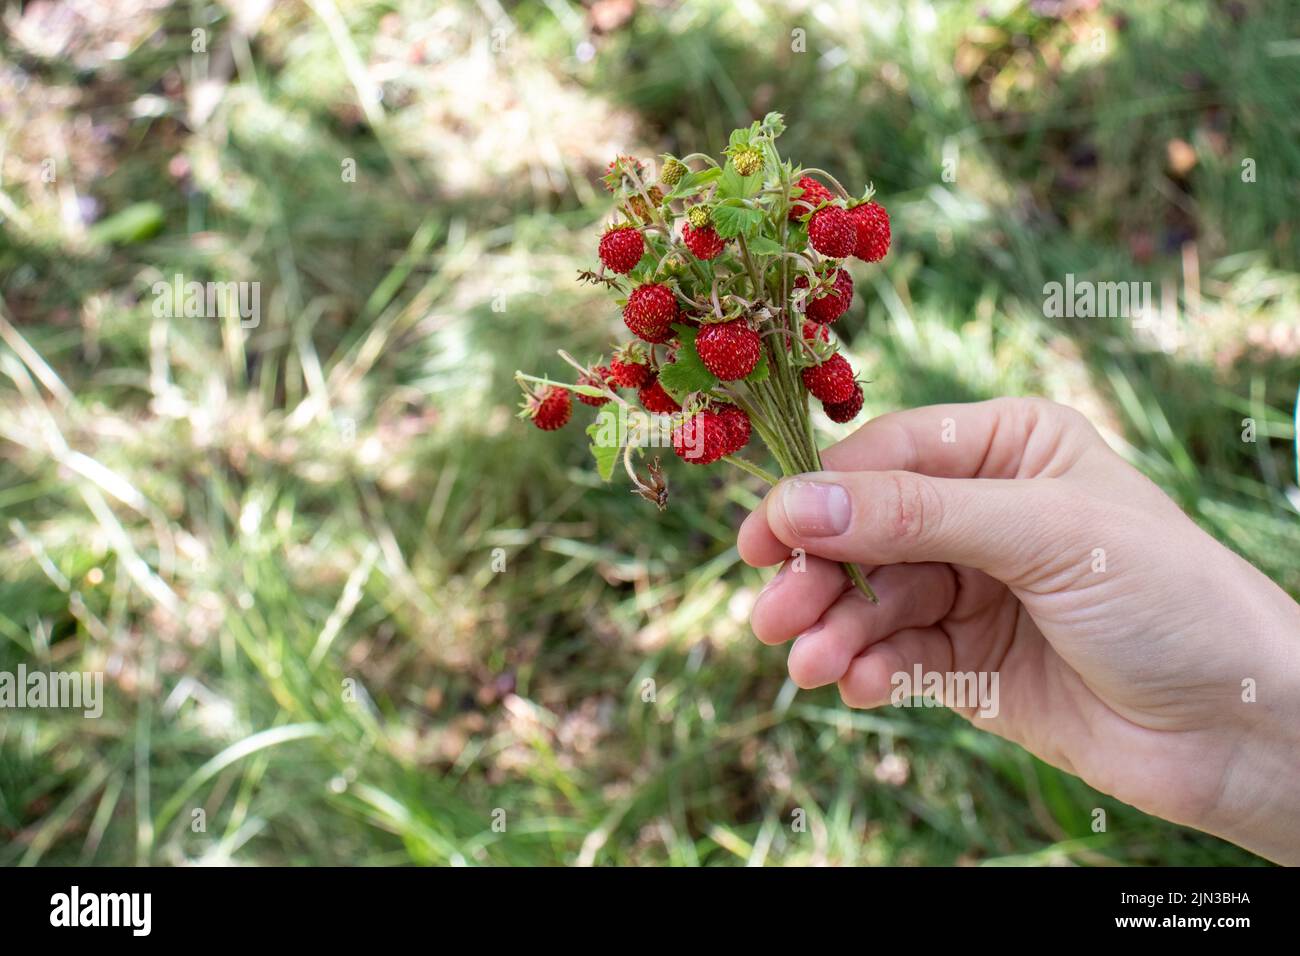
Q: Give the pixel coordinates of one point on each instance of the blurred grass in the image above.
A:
(279, 543)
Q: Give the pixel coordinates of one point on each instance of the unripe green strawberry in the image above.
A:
(700, 216)
(673, 171)
(747, 159)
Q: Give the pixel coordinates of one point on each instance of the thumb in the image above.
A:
(1017, 530)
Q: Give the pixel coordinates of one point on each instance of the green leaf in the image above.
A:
(135, 223)
(732, 221)
(761, 370)
(732, 185)
(606, 436)
(693, 183)
(688, 372)
(763, 246)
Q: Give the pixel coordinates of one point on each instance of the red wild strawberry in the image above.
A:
(615, 174)
(650, 312)
(812, 332)
(628, 374)
(814, 194)
(829, 306)
(738, 427)
(702, 439)
(621, 248)
(831, 232)
(655, 399)
(729, 350)
(831, 381)
(872, 224)
(598, 377)
(845, 411)
(550, 408)
(704, 243)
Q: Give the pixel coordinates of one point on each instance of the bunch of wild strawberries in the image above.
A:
(730, 276)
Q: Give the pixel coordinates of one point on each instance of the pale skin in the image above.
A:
(1132, 648)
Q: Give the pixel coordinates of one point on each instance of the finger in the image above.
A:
(869, 680)
(1001, 438)
(911, 595)
(1007, 528)
(757, 545)
(796, 598)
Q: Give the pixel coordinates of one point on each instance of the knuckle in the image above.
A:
(912, 508)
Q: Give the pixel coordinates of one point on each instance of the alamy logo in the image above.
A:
(958, 690)
(208, 300)
(57, 689)
(70, 690)
(1096, 300)
(103, 909)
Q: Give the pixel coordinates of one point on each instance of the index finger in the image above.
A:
(1000, 438)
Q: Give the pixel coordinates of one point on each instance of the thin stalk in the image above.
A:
(752, 468)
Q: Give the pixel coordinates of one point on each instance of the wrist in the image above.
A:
(1259, 796)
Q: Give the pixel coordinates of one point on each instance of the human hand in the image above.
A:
(1007, 538)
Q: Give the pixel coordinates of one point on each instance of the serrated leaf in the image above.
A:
(732, 185)
(692, 183)
(761, 370)
(732, 221)
(688, 372)
(763, 246)
(607, 439)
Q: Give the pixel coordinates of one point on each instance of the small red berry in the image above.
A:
(813, 332)
(654, 398)
(730, 350)
(615, 172)
(871, 221)
(598, 377)
(845, 411)
(621, 248)
(628, 374)
(831, 381)
(650, 312)
(813, 195)
(702, 439)
(704, 243)
(831, 232)
(738, 427)
(829, 306)
(550, 408)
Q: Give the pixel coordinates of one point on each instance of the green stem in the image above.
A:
(752, 468)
